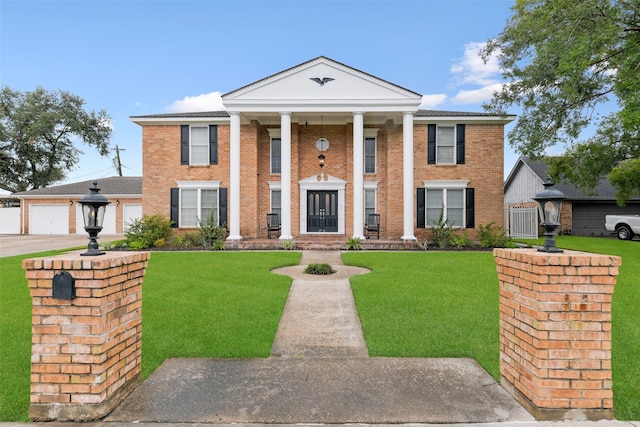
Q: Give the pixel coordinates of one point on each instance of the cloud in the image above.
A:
(190, 104)
(471, 69)
(432, 101)
(475, 96)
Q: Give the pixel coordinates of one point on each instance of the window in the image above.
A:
(446, 144)
(195, 201)
(276, 203)
(276, 155)
(369, 155)
(448, 201)
(453, 199)
(198, 145)
(369, 203)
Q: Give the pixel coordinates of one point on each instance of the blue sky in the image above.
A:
(139, 57)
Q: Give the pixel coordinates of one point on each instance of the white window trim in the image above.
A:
(370, 133)
(273, 134)
(444, 186)
(191, 161)
(197, 185)
(455, 147)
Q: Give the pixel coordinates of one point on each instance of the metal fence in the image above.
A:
(521, 222)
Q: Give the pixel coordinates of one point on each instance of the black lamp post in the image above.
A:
(94, 206)
(549, 205)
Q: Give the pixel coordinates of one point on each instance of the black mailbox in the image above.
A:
(64, 286)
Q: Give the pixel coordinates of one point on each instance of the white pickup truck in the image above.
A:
(624, 226)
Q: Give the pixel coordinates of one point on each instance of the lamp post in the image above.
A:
(549, 206)
(94, 206)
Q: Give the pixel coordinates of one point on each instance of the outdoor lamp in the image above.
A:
(321, 158)
(94, 206)
(549, 205)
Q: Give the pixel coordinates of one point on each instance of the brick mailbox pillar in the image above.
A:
(555, 331)
(86, 342)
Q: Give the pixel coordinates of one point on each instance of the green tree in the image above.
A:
(561, 60)
(37, 134)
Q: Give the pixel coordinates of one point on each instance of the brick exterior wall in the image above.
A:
(555, 331)
(483, 169)
(86, 352)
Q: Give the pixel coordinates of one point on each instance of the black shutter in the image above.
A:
(213, 144)
(469, 206)
(222, 204)
(460, 144)
(175, 207)
(184, 144)
(421, 213)
(431, 144)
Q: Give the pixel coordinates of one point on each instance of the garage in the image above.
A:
(130, 212)
(49, 219)
(588, 217)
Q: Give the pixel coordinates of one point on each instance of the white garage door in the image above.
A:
(49, 219)
(108, 226)
(130, 211)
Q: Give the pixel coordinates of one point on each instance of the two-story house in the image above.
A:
(324, 145)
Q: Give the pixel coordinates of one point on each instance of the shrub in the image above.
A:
(316, 268)
(354, 244)
(441, 231)
(212, 234)
(289, 245)
(492, 236)
(147, 232)
(459, 241)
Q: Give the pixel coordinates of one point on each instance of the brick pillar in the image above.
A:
(555, 331)
(86, 352)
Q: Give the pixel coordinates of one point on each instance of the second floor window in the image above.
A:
(369, 155)
(198, 145)
(446, 144)
(276, 155)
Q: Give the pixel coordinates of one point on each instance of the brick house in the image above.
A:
(382, 154)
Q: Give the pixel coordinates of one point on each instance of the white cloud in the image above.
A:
(190, 104)
(475, 96)
(432, 101)
(471, 69)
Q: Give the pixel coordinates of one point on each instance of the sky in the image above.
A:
(137, 57)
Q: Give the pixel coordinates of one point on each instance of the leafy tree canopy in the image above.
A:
(561, 60)
(37, 134)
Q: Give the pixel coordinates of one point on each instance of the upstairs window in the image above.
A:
(369, 155)
(198, 145)
(276, 155)
(445, 144)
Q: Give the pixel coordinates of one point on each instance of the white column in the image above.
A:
(407, 167)
(285, 175)
(234, 178)
(358, 175)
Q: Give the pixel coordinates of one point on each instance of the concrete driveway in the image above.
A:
(20, 244)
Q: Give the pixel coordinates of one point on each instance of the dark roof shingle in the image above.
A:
(120, 185)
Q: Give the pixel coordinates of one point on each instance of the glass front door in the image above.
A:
(322, 211)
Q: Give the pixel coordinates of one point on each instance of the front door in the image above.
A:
(322, 211)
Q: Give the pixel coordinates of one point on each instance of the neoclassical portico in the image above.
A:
(307, 94)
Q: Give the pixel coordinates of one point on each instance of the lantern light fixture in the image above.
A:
(94, 206)
(549, 207)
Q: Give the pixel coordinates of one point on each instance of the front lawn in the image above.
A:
(413, 304)
(445, 304)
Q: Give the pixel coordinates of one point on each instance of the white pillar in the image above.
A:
(285, 175)
(407, 182)
(358, 175)
(234, 178)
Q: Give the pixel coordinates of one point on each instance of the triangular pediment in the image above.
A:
(321, 84)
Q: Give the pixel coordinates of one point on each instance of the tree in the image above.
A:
(562, 60)
(37, 133)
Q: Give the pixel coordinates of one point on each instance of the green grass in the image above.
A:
(429, 304)
(445, 304)
(413, 304)
(195, 304)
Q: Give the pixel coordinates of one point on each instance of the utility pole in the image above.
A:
(116, 161)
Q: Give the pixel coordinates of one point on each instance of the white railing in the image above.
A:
(521, 222)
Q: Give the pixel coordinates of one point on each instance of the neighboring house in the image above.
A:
(582, 214)
(55, 210)
(381, 155)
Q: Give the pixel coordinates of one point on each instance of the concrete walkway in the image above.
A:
(320, 372)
